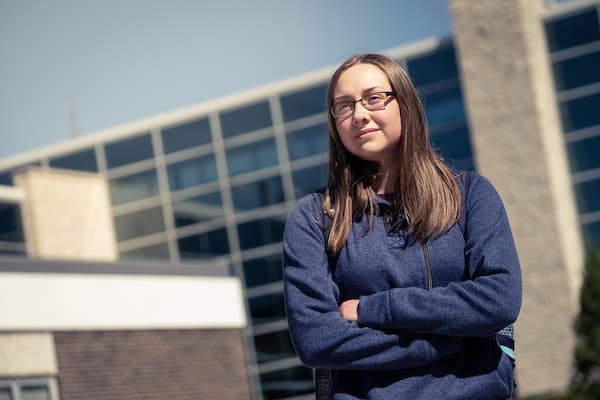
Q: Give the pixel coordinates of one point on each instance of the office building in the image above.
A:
(215, 181)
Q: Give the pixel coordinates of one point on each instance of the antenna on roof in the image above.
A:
(73, 115)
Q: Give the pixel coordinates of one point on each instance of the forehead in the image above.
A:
(359, 78)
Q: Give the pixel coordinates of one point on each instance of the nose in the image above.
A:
(360, 114)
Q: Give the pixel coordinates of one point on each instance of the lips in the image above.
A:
(364, 132)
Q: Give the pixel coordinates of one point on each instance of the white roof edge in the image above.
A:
(122, 131)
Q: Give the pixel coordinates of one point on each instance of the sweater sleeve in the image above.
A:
(481, 306)
(321, 337)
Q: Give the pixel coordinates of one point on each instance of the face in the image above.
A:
(370, 135)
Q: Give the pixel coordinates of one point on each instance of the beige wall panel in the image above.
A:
(67, 215)
(518, 145)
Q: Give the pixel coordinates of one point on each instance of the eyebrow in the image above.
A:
(368, 90)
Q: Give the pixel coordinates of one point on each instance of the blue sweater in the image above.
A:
(423, 333)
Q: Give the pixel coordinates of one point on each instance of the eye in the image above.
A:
(341, 108)
(375, 98)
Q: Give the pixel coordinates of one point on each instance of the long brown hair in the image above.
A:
(426, 194)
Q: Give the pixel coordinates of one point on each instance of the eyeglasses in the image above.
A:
(371, 102)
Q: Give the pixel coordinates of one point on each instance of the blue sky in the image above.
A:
(122, 60)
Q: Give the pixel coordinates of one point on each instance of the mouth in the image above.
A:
(364, 132)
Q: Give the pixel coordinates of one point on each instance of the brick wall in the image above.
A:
(160, 364)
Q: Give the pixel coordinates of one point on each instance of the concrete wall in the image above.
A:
(66, 215)
(27, 354)
(518, 145)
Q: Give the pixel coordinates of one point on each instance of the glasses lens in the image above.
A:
(375, 100)
(342, 109)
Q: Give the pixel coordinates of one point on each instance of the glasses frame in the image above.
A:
(362, 101)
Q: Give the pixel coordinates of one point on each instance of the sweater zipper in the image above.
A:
(427, 266)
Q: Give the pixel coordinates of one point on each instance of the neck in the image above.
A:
(386, 181)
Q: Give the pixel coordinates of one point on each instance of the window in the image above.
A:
(186, 136)
(257, 194)
(133, 187)
(82, 161)
(251, 156)
(444, 106)
(578, 71)
(193, 172)
(139, 223)
(585, 154)
(273, 346)
(267, 308)
(308, 142)
(128, 151)
(304, 103)
(245, 119)
(204, 245)
(197, 209)
(287, 383)
(261, 232)
(262, 271)
(157, 251)
(433, 67)
(587, 195)
(6, 178)
(10, 223)
(581, 112)
(454, 144)
(591, 233)
(309, 179)
(28, 389)
(573, 30)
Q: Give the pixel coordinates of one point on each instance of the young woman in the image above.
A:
(382, 285)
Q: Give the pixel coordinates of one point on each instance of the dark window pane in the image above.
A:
(287, 383)
(308, 142)
(139, 223)
(156, 251)
(309, 179)
(204, 245)
(198, 209)
(261, 232)
(192, 172)
(453, 145)
(5, 394)
(128, 151)
(245, 119)
(182, 137)
(433, 67)
(580, 113)
(588, 195)
(267, 308)
(6, 178)
(133, 187)
(81, 161)
(444, 106)
(573, 30)
(585, 154)
(578, 71)
(10, 223)
(591, 234)
(303, 104)
(264, 270)
(251, 156)
(35, 393)
(257, 194)
(273, 346)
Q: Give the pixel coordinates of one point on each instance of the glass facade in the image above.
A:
(574, 43)
(221, 184)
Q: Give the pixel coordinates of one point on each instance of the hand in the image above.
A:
(349, 310)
